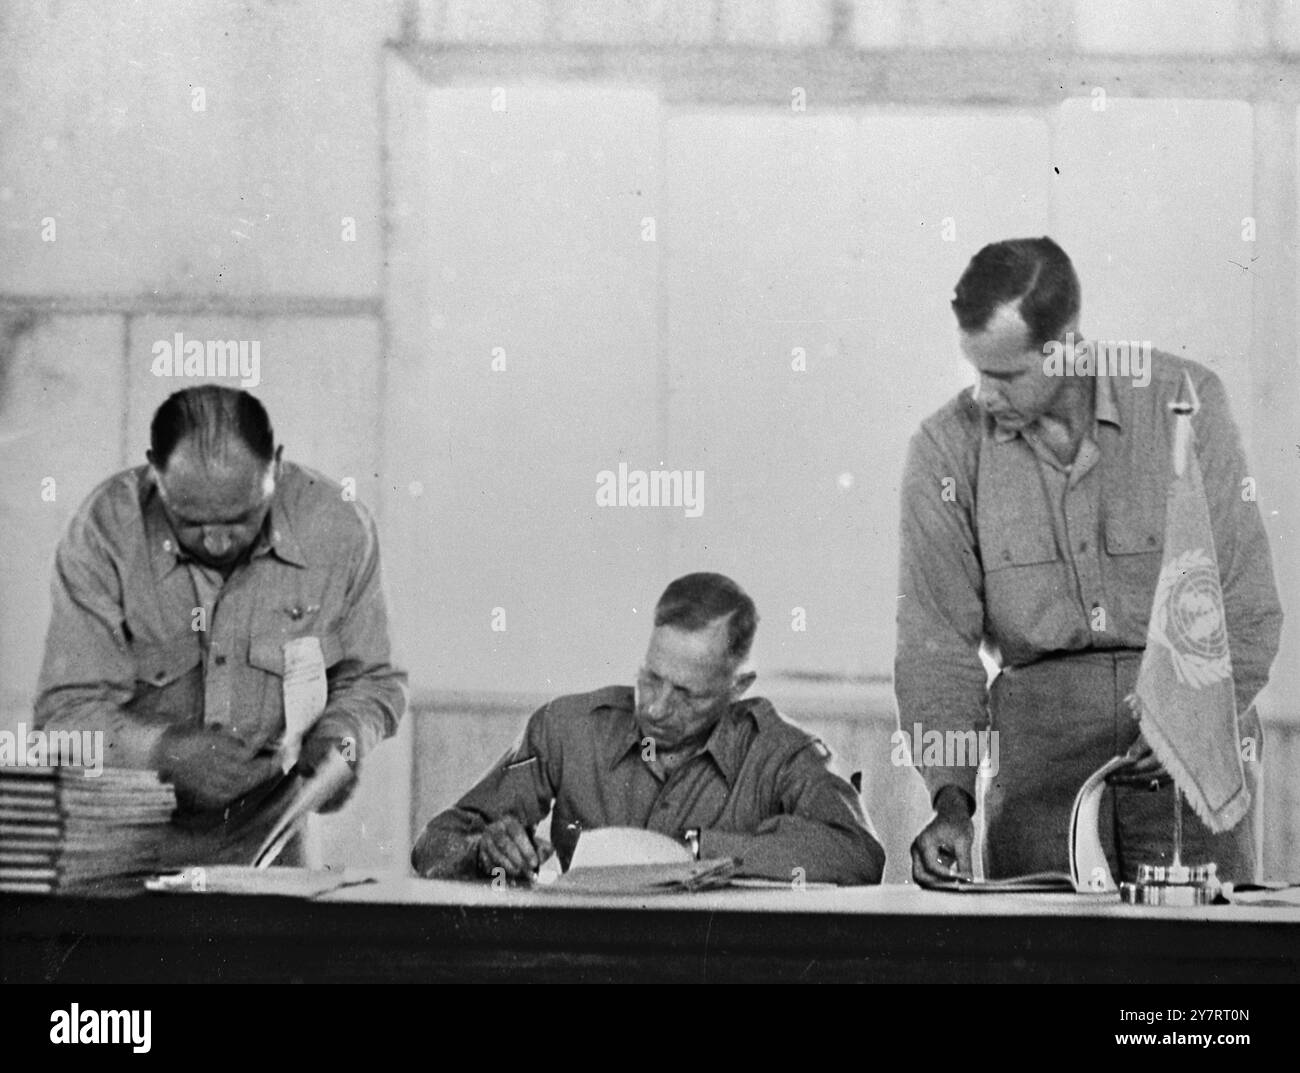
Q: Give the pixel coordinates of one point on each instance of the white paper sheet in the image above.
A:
(330, 777)
(305, 694)
(605, 846)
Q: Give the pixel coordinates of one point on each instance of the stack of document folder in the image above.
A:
(69, 829)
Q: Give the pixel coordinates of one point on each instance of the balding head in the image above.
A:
(214, 459)
(215, 420)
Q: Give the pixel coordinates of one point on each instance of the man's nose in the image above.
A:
(216, 541)
(661, 703)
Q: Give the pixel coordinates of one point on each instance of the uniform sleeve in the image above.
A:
(939, 681)
(367, 694)
(821, 833)
(521, 784)
(1250, 599)
(88, 672)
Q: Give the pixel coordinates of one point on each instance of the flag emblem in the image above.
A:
(1185, 695)
(1187, 619)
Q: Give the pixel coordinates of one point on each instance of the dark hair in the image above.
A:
(697, 600)
(1034, 270)
(212, 414)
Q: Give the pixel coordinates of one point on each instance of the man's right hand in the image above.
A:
(506, 844)
(942, 851)
(208, 766)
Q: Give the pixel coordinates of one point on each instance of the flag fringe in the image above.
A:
(1234, 809)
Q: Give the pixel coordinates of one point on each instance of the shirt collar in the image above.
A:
(730, 739)
(1000, 434)
(1105, 403)
(279, 532)
(726, 743)
(277, 535)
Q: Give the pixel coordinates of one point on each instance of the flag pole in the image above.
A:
(1183, 407)
(1178, 828)
(1175, 883)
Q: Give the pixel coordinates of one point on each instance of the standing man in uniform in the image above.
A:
(1033, 512)
(183, 591)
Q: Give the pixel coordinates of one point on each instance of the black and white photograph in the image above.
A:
(650, 491)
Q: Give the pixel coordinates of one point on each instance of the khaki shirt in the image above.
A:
(1003, 545)
(760, 790)
(123, 656)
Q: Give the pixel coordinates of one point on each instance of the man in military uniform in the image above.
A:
(684, 754)
(1033, 511)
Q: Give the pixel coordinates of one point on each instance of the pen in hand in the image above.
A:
(948, 858)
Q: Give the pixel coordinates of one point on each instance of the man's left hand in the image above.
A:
(315, 749)
(1142, 771)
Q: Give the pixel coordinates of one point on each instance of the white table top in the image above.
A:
(905, 900)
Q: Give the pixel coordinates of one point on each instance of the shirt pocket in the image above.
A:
(1027, 604)
(1018, 546)
(160, 664)
(167, 679)
(266, 654)
(266, 650)
(1134, 550)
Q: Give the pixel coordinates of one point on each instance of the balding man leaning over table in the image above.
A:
(191, 593)
(682, 754)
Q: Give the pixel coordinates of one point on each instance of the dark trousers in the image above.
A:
(1059, 720)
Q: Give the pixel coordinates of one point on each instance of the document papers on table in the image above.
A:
(1032, 883)
(243, 879)
(1275, 895)
(70, 829)
(629, 860)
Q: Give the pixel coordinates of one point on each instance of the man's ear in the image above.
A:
(157, 472)
(741, 683)
(277, 460)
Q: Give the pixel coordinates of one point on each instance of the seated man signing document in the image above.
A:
(682, 755)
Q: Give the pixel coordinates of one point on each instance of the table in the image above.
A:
(411, 930)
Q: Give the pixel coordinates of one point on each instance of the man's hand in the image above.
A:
(315, 748)
(1142, 770)
(942, 850)
(506, 844)
(208, 766)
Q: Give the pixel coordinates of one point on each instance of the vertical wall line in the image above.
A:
(124, 431)
(404, 795)
(663, 357)
(1272, 452)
